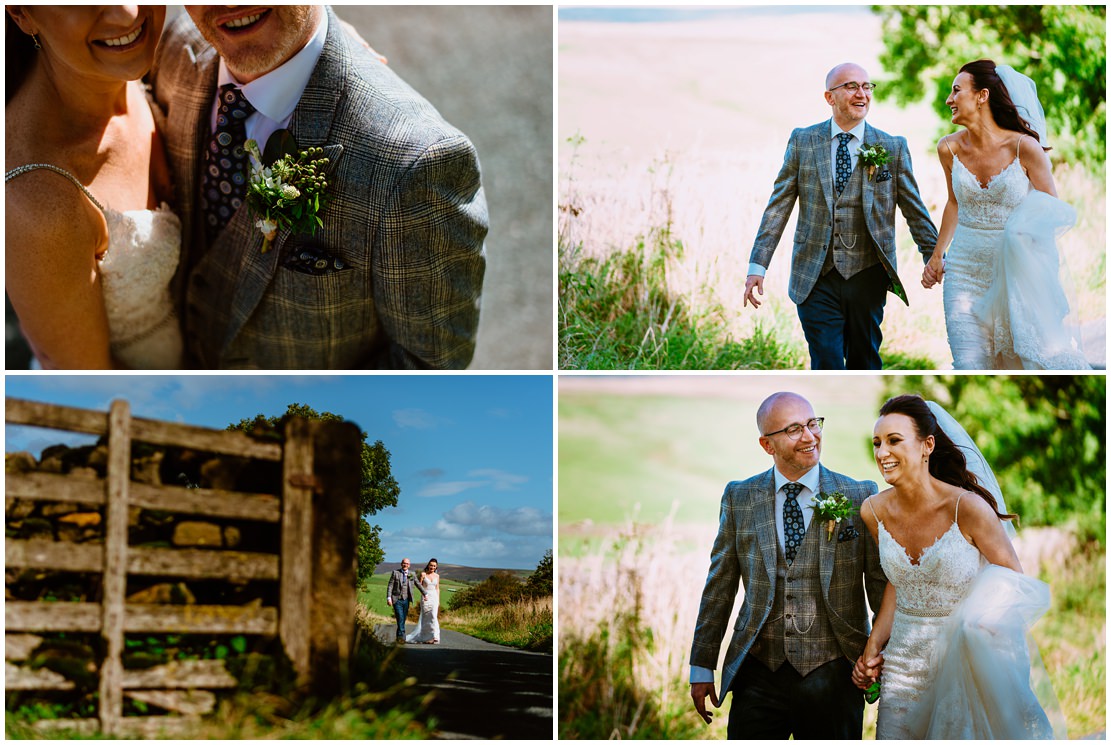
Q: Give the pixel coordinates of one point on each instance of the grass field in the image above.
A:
(642, 465)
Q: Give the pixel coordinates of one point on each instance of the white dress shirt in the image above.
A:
(809, 484)
(275, 94)
(854, 147)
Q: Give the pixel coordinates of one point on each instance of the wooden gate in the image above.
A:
(320, 467)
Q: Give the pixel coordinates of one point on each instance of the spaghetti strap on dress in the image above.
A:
(144, 247)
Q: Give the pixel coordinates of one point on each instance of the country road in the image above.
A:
(482, 690)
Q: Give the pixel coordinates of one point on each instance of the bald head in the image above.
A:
(775, 402)
(845, 72)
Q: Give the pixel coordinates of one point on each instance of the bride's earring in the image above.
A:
(35, 39)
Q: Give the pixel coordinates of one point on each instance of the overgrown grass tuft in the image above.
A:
(524, 624)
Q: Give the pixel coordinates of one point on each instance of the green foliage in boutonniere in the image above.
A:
(286, 191)
(833, 508)
(873, 156)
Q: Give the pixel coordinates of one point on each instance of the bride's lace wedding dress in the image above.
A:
(1004, 306)
(429, 628)
(144, 247)
(956, 664)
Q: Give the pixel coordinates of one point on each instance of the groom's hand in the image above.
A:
(699, 692)
(757, 282)
(933, 272)
(866, 672)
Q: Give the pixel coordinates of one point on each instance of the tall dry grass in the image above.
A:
(526, 623)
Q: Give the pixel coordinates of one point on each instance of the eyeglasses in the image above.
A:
(854, 87)
(794, 431)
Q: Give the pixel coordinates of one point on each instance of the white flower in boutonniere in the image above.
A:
(873, 156)
(833, 508)
(289, 194)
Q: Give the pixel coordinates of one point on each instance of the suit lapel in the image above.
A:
(820, 143)
(765, 524)
(868, 184)
(827, 547)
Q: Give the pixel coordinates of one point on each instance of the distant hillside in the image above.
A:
(455, 572)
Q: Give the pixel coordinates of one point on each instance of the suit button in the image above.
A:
(787, 615)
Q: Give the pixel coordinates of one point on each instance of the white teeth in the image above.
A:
(241, 22)
(123, 41)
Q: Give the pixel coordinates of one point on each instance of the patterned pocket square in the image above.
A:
(311, 258)
(848, 533)
(885, 176)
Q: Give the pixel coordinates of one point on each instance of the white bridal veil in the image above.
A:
(989, 682)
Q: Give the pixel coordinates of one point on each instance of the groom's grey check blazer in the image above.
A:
(746, 551)
(402, 243)
(807, 175)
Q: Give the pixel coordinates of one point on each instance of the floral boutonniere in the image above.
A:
(833, 508)
(286, 190)
(873, 156)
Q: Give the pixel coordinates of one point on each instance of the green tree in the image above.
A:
(1042, 435)
(1061, 47)
(378, 489)
(539, 583)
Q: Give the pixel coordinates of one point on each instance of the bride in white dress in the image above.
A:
(428, 630)
(90, 247)
(1004, 303)
(951, 633)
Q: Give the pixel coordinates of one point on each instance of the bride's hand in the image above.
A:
(933, 272)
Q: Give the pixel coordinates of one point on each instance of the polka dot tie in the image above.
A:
(224, 182)
(793, 526)
(844, 162)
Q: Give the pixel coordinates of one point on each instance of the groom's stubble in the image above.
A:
(250, 51)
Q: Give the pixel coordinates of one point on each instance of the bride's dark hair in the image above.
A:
(947, 462)
(428, 566)
(984, 77)
(19, 54)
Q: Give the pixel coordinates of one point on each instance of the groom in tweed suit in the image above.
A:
(844, 258)
(803, 622)
(393, 278)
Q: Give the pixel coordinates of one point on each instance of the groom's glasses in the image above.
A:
(794, 432)
(854, 87)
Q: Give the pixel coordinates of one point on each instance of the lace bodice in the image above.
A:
(938, 581)
(144, 247)
(988, 207)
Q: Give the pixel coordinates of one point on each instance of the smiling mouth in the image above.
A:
(238, 25)
(127, 40)
(888, 467)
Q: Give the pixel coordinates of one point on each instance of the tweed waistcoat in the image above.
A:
(798, 629)
(852, 250)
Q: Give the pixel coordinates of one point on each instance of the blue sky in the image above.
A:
(472, 454)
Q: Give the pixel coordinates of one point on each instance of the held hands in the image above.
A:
(699, 691)
(867, 671)
(757, 282)
(933, 272)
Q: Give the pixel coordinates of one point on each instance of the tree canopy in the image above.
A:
(1044, 436)
(378, 490)
(1061, 47)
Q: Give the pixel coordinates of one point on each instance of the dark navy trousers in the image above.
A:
(841, 320)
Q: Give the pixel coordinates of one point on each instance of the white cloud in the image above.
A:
(448, 488)
(501, 480)
(413, 419)
(517, 521)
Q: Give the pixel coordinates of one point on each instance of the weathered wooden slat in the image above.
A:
(53, 416)
(54, 487)
(170, 619)
(209, 502)
(177, 562)
(59, 555)
(199, 563)
(189, 703)
(296, 582)
(18, 678)
(85, 727)
(18, 647)
(201, 438)
(39, 617)
(114, 578)
(181, 674)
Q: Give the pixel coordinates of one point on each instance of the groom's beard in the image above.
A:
(256, 49)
